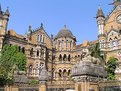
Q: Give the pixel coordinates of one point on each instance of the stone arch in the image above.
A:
(64, 72)
(64, 57)
(69, 72)
(60, 57)
(69, 57)
(60, 73)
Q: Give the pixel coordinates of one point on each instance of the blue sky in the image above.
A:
(78, 15)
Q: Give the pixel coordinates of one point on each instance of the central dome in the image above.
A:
(65, 32)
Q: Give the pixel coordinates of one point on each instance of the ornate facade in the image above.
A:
(60, 53)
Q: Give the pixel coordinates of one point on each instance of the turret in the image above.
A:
(117, 2)
(100, 21)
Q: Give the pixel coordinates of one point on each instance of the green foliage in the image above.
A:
(10, 56)
(110, 67)
(34, 82)
(95, 52)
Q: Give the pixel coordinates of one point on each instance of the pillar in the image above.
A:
(43, 87)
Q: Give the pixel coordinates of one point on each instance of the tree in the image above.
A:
(96, 52)
(10, 56)
(111, 67)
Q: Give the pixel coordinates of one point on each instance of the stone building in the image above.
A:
(60, 53)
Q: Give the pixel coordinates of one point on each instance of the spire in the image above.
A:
(100, 12)
(41, 27)
(7, 12)
(30, 29)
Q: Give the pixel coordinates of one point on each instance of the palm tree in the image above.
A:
(97, 53)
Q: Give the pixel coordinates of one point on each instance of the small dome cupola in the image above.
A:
(65, 32)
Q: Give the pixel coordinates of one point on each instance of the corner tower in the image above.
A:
(4, 17)
(64, 44)
(101, 23)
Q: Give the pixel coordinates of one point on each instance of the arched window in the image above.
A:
(23, 49)
(69, 57)
(64, 57)
(60, 57)
(31, 52)
(19, 48)
(110, 39)
(64, 72)
(60, 73)
(30, 69)
(69, 72)
(37, 38)
(40, 38)
(115, 38)
(37, 53)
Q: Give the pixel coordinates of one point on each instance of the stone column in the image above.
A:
(43, 86)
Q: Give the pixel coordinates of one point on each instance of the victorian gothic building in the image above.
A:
(60, 53)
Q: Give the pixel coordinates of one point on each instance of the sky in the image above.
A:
(77, 15)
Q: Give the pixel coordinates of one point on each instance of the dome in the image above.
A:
(65, 32)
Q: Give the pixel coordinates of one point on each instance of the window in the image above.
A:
(31, 52)
(23, 49)
(30, 70)
(37, 53)
(64, 57)
(69, 58)
(60, 57)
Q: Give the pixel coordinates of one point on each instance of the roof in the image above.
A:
(65, 32)
(100, 12)
(85, 43)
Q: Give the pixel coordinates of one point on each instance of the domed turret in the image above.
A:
(65, 32)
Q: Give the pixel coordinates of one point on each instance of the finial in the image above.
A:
(41, 25)
(65, 26)
(7, 11)
(99, 7)
(30, 29)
